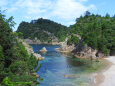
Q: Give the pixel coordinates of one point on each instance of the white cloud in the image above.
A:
(64, 10)
(34, 7)
(69, 8)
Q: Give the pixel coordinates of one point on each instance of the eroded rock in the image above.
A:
(43, 49)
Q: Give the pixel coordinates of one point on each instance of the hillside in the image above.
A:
(44, 30)
(96, 31)
(16, 64)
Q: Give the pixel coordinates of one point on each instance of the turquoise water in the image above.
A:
(60, 70)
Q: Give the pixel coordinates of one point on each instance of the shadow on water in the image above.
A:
(60, 70)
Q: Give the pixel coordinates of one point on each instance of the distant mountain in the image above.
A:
(43, 29)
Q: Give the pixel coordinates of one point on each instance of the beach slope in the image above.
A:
(109, 74)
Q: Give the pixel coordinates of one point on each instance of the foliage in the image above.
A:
(18, 34)
(8, 82)
(43, 29)
(73, 40)
(16, 65)
(97, 31)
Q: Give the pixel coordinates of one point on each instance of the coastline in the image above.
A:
(104, 77)
(30, 50)
(107, 76)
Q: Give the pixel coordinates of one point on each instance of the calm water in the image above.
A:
(56, 66)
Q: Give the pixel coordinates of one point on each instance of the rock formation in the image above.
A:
(30, 51)
(43, 50)
(84, 51)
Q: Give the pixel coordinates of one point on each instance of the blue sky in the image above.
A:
(61, 11)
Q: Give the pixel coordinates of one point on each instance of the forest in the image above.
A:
(16, 65)
(43, 29)
(97, 31)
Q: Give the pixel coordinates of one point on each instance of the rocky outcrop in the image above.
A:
(30, 51)
(35, 41)
(43, 50)
(66, 48)
(84, 51)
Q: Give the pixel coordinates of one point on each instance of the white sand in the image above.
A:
(109, 74)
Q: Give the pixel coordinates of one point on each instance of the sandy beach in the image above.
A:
(109, 74)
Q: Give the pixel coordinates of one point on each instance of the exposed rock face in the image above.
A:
(30, 51)
(87, 52)
(43, 49)
(66, 48)
(35, 41)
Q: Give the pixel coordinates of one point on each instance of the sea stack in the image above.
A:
(43, 49)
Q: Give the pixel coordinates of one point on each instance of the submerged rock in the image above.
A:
(41, 58)
(43, 49)
(70, 76)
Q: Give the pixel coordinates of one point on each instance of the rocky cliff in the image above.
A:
(80, 50)
(84, 51)
(30, 50)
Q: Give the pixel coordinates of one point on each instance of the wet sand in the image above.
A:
(107, 76)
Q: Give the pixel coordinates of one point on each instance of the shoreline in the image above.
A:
(107, 76)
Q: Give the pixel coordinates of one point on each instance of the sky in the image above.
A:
(64, 12)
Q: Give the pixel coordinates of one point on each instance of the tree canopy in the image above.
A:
(97, 31)
(43, 29)
(16, 65)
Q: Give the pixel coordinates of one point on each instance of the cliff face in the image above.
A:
(84, 51)
(66, 48)
(80, 50)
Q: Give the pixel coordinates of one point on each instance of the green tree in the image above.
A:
(16, 65)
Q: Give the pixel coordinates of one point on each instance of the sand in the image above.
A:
(109, 74)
